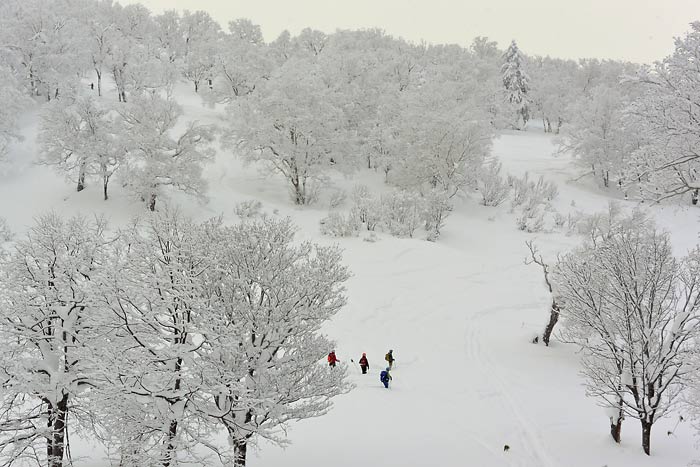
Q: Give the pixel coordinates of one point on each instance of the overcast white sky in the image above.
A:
(635, 30)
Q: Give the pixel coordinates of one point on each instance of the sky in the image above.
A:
(633, 30)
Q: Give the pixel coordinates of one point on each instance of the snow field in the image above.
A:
(458, 313)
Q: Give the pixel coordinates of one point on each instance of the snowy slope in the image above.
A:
(458, 313)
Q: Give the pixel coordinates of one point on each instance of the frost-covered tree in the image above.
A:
(270, 297)
(213, 328)
(49, 312)
(99, 21)
(241, 62)
(153, 374)
(201, 35)
(444, 152)
(157, 155)
(137, 57)
(291, 125)
(13, 101)
(553, 91)
(597, 136)
(554, 308)
(486, 65)
(517, 84)
(667, 113)
(79, 136)
(635, 311)
(46, 42)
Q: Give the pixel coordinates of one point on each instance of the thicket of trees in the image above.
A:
(633, 308)
(158, 337)
(307, 105)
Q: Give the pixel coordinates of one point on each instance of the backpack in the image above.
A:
(384, 376)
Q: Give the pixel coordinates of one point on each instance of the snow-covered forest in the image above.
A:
(193, 218)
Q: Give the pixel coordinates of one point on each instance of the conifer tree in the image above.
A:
(517, 84)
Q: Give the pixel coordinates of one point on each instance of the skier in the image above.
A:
(389, 357)
(332, 359)
(364, 364)
(385, 377)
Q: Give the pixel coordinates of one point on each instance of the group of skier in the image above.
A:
(384, 376)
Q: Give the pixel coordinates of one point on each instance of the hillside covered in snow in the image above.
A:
(440, 188)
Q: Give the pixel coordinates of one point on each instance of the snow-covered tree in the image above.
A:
(48, 308)
(46, 42)
(553, 90)
(554, 308)
(445, 150)
(635, 311)
(242, 62)
(13, 101)
(78, 136)
(517, 84)
(597, 136)
(136, 57)
(667, 113)
(202, 35)
(152, 379)
(270, 298)
(291, 125)
(157, 155)
(213, 328)
(99, 21)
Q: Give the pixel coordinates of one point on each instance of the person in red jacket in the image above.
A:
(364, 364)
(332, 359)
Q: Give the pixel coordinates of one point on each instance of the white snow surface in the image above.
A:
(459, 315)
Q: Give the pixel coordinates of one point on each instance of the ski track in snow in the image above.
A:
(529, 437)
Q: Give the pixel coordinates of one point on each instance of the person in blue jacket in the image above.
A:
(385, 377)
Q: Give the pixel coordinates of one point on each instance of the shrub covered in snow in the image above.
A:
(531, 218)
(339, 225)
(402, 213)
(533, 200)
(248, 209)
(337, 198)
(436, 207)
(493, 187)
(366, 208)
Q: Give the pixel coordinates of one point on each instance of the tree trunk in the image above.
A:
(105, 180)
(170, 448)
(646, 437)
(99, 82)
(196, 86)
(240, 451)
(616, 427)
(553, 318)
(81, 177)
(55, 446)
(152, 202)
(606, 178)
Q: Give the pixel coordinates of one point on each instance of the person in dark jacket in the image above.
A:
(385, 377)
(389, 357)
(332, 359)
(364, 363)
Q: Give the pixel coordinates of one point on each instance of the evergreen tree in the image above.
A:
(516, 83)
